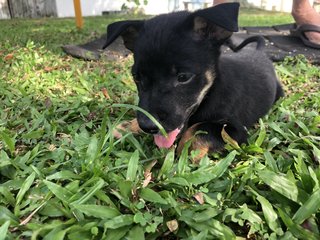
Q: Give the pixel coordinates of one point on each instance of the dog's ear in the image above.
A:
(128, 30)
(216, 23)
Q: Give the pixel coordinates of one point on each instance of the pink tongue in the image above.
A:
(166, 142)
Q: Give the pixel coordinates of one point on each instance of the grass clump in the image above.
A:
(64, 176)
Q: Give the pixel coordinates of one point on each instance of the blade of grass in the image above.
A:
(4, 230)
(119, 221)
(92, 150)
(167, 164)
(207, 174)
(280, 183)
(262, 134)
(136, 233)
(97, 211)
(133, 166)
(310, 207)
(297, 230)
(6, 215)
(60, 192)
(183, 159)
(270, 161)
(97, 186)
(25, 187)
(9, 141)
(152, 196)
(269, 213)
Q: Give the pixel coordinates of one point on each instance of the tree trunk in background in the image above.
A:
(32, 8)
(4, 9)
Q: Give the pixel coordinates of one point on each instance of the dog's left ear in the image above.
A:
(128, 30)
(216, 23)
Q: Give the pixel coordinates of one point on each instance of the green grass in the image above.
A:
(257, 17)
(64, 176)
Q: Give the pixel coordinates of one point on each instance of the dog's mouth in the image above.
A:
(166, 142)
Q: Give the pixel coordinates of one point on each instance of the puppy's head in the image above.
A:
(174, 62)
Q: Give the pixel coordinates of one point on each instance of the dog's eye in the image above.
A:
(185, 77)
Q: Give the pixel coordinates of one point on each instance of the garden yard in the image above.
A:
(64, 176)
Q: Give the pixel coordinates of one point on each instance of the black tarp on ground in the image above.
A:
(279, 44)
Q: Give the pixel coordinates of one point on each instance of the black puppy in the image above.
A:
(187, 86)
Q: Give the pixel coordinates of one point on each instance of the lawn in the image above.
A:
(64, 176)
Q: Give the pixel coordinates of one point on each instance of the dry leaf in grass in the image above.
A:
(127, 126)
(48, 69)
(52, 147)
(48, 103)
(91, 116)
(29, 217)
(147, 179)
(105, 93)
(148, 174)
(172, 225)
(8, 57)
(134, 194)
(199, 197)
(228, 139)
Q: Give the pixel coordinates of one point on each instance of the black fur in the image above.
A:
(175, 56)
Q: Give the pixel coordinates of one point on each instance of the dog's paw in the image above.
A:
(127, 126)
(200, 149)
(199, 144)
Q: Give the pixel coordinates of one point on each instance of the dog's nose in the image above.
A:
(147, 125)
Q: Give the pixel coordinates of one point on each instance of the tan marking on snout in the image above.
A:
(127, 126)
